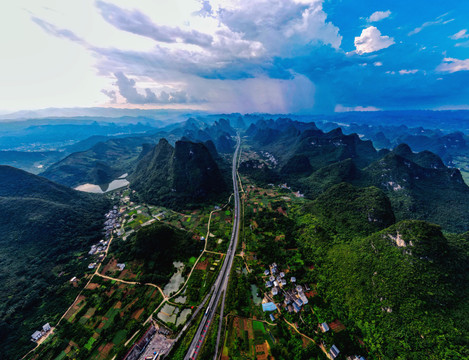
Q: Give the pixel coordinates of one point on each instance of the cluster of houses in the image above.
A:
(112, 221)
(294, 298)
(99, 248)
(40, 333)
(276, 279)
(270, 157)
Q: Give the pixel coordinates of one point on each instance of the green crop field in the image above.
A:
(119, 337)
(90, 343)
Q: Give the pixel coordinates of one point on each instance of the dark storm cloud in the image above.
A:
(127, 88)
(138, 23)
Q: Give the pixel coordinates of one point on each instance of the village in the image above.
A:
(287, 296)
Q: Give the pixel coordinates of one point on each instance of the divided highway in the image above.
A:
(221, 283)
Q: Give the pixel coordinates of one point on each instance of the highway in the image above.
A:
(221, 284)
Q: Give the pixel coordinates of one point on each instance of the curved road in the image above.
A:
(221, 283)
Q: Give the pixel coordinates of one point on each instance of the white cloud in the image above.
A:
(406, 72)
(460, 35)
(341, 108)
(464, 44)
(173, 50)
(371, 40)
(284, 25)
(440, 20)
(39, 70)
(379, 15)
(378, 63)
(452, 65)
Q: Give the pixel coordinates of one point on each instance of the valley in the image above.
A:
(323, 221)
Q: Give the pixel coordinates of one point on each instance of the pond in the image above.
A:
(101, 189)
(183, 317)
(180, 299)
(254, 291)
(168, 313)
(176, 280)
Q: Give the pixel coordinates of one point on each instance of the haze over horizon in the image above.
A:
(305, 56)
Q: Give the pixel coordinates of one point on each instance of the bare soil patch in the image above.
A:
(202, 265)
(337, 326)
(105, 352)
(92, 286)
(137, 313)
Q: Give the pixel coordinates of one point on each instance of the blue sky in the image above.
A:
(279, 56)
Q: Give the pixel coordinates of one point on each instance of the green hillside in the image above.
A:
(180, 176)
(436, 194)
(100, 164)
(402, 288)
(348, 211)
(42, 227)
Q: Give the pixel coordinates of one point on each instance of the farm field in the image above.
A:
(247, 338)
(97, 327)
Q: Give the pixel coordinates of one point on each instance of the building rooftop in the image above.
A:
(334, 352)
(324, 327)
(36, 335)
(270, 306)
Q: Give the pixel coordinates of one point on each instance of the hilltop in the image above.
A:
(179, 176)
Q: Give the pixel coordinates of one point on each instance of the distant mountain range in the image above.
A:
(109, 112)
(299, 153)
(294, 152)
(106, 158)
(418, 185)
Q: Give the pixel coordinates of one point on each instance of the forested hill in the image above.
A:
(418, 185)
(42, 225)
(181, 176)
(100, 164)
(404, 288)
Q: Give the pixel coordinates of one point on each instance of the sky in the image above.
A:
(276, 56)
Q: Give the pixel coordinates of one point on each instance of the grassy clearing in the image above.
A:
(90, 343)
